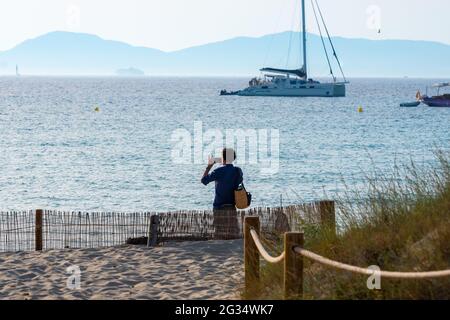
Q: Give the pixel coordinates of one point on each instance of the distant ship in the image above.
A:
(17, 71)
(295, 83)
(130, 72)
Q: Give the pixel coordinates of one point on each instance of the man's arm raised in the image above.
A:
(207, 170)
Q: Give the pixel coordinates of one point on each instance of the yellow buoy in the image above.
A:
(360, 109)
(97, 109)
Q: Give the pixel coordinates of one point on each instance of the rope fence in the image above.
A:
(292, 257)
(262, 251)
(370, 272)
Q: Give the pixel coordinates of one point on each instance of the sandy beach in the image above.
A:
(189, 270)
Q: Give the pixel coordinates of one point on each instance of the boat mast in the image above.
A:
(305, 69)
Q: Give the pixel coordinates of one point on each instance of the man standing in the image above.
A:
(227, 179)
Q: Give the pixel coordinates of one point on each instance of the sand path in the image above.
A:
(190, 270)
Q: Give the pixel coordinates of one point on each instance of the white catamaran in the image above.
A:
(295, 83)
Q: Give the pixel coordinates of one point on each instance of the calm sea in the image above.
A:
(57, 152)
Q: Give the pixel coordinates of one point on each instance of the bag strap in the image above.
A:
(236, 177)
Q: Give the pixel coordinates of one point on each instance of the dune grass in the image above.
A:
(401, 222)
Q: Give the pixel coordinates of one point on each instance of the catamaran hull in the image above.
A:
(314, 90)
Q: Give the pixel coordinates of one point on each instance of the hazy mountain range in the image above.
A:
(63, 53)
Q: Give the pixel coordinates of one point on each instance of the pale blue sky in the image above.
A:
(175, 24)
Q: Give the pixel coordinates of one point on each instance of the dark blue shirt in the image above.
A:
(227, 178)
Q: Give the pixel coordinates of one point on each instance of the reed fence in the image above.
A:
(200, 225)
(17, 231)
(45, 229)
(50, 229)
(292, 257)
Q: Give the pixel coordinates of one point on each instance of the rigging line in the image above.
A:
(271, 37)
(289, 50)
(331, 42)
(323, 42)
(291, 34)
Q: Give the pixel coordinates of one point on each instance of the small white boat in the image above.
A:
(410, 104)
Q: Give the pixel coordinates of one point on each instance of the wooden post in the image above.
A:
(149, 232)
(153, 234)
(242, 223)
(38, 230)
(293, 266)
(327, 215)
(251, 254)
